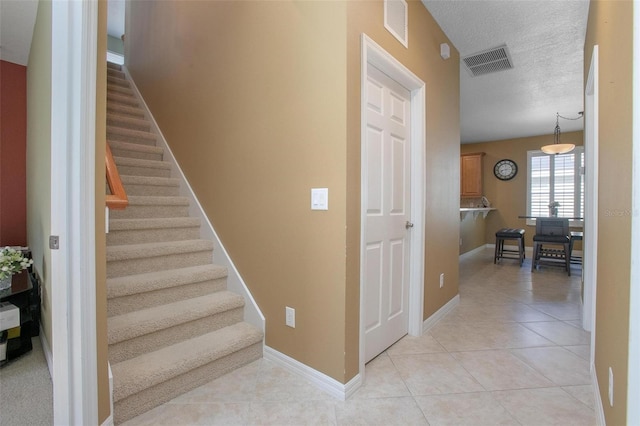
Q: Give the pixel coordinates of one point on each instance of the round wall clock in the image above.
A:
(505, 169)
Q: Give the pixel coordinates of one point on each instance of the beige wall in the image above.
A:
(39, 157)
(260, 102)
(251, 97)
(472, 231)
(610, 26)
(104, 397)
(508, 197)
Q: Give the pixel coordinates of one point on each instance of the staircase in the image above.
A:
(172, 324)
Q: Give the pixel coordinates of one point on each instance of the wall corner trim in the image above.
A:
(440, 313)
(318, 379)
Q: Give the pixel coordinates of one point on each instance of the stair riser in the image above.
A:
(140, 236)
(128, 124)
(119, 82)
(124, 110)
(122, 91)
(117, 99)
(140, 212)
(141, 402)
(120, 268)
(151, 190)
(134, 302)
(131, 138)
(154, 341)
(117, 152)
(143, 171)
(116, 73)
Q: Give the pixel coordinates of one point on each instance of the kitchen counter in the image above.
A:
(476, 211)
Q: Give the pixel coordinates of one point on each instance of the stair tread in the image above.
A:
(126, 118)
(145, 250)
(124, 109)
(157, 200)
(138, 162)
(135, 147)
(125, 131)
(117, 97)
(112, 79)
(153, 223)
(142, 372)
(150, 281)
(149, 180)
(145, 321)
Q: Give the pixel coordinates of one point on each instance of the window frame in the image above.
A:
(578, 184)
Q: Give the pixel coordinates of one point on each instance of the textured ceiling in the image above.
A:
(546, 41)
(17, 18)
(545, 38)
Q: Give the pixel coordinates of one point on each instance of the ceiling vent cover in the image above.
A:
(489, 61)
(395, 20)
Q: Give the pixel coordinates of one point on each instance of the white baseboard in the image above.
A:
(109, 420)
(318, 379)
(252, 313)
(440, 313)
(600, 420)
(472, 252)
(46, 349)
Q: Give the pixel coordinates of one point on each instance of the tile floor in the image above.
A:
(512, 352)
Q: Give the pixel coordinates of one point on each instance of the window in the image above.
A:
(556, 178)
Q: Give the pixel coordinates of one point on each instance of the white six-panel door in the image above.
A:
(387, 203)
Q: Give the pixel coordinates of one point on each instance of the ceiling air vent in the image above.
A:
(489, 61)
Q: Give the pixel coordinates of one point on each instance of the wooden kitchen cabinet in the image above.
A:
(471, 174)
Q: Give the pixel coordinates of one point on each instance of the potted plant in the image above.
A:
(12, 261)
(553, 208)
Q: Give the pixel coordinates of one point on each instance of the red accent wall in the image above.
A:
(13, 153)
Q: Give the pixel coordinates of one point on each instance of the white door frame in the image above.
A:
(74, 29)
(591, 200)
(373, 54)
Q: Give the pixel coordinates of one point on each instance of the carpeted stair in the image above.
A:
(172, 323)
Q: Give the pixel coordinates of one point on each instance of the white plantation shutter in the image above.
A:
(557, 178)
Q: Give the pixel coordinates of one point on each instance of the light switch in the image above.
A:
(319, 198)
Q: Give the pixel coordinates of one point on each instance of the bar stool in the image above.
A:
(574, 236)
(551, 232)
(509, 234)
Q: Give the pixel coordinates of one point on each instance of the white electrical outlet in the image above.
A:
(290, 317)
(610, 387)
(442, 280)
(460, 241)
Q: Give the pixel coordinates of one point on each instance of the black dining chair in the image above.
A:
(551, 243)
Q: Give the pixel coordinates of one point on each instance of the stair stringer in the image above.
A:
(252, 313)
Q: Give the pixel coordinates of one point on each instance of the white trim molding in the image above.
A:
(590, 243)
(46, 349)
(252, 313)
(74, 35)
(600, 420)
(473, 252)
(440, 313)
(320, 380)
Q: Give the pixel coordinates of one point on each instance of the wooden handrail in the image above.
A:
(117, 200)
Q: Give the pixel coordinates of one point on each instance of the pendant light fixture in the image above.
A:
(557, 147)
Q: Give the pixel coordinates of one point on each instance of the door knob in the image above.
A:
(408, 225)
